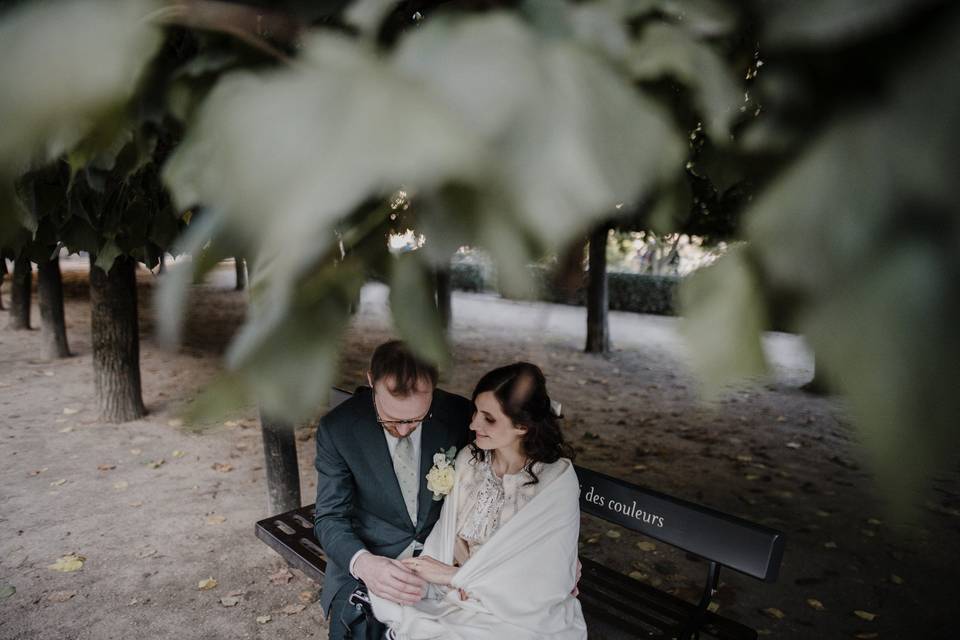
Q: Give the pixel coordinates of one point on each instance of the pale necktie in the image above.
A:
(405, 466)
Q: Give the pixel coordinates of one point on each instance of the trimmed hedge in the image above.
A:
(639, 293)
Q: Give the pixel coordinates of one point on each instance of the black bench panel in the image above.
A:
(291, 535)
(733, 542)
(645, 611)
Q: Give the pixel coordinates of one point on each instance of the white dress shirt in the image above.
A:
(415, 437)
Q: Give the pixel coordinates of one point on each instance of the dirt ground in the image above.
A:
(155, 506)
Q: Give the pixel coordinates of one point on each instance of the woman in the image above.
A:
(501, 561)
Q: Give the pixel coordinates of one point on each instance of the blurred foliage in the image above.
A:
(855, 242)
(505, 131)
(303, 134)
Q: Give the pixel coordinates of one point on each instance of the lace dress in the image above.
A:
(487, 502)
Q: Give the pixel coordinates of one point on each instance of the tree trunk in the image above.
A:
(3, 275)
(283, 474)
(241, 270)
(50, 294)
(817, 385)
(20, 286)
(115, 334)
(444, 294)
(598, 325)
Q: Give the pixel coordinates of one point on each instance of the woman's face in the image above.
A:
(493, 428)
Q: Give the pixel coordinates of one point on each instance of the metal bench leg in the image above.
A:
(691, 630)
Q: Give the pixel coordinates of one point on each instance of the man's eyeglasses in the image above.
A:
(397, 423)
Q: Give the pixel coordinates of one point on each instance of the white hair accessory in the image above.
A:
(556, 409)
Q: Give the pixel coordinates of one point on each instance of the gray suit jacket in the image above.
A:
(359, 503)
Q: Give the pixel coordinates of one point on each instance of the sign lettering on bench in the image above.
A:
(593, 496)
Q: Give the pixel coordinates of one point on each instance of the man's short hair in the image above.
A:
(394, 360)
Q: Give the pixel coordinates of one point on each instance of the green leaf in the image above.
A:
(414, 309)
(7, 590)
(670, 51)
(67, 65)
(107, 255)
(77, 235)
(706, 18)
(567, 136)
(723, 319)
(171, 297)
(227, 393)
(825, 22)
(887, 340)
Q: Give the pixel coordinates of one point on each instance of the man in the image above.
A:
(373, 506)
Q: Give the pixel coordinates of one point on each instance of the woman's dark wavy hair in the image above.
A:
(521, 390)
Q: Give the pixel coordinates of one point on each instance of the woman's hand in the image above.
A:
(431, 570)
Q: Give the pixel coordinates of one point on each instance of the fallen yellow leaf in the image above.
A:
(216, 520)
(281, 576)
(156, 464)
(613, 534)
(222, 467)
(68, 563)
(865, 615)
(264, 619)
(69, 411)
(206, 585)
(775, 613)
(229, 601)
(178, 454)
(895, 579)
(815, 604)
(176, 423)
(57, 483)
(120, 485)
(646, 546)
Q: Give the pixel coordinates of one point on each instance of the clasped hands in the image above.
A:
(403, 581)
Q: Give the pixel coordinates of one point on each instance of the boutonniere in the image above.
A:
(440, 477)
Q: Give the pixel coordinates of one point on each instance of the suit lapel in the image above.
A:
(432, 440)
(381, 465)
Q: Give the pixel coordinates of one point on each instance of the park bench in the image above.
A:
(620, 605)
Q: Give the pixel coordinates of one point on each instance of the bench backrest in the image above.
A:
(730, 541)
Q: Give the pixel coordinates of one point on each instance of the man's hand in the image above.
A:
(389, 579)
(431, 570)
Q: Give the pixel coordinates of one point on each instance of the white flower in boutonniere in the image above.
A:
(441, 475)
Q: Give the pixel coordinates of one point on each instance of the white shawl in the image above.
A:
(519, 581)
